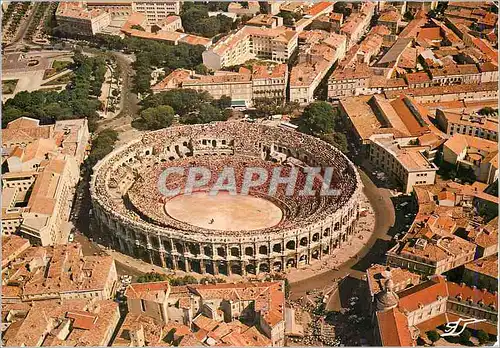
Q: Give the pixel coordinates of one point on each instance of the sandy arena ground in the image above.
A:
(224, 211)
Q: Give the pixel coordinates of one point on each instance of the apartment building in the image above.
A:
(167, 32)
(349, 82)
(75, 17)
(482, 273)
(47, 211)
(59, 272)
(402, 160)
(72, 138)
(431, 248)
(156, 10)
(43, 169)
(474, 125)
(244, 86)
(218, 314)
(250, 42)
(67, 323)
(484, 236)
(265, 20)
(437, 94)
(120, 8)
(357, 24)
(314, 62)
(455, 74)
(391, 19)
(471, 152)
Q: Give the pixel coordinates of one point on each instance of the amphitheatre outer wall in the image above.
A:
(179, 246)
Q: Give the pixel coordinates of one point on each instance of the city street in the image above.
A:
(372, 252)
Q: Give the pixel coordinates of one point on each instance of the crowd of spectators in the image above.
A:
(238, 145)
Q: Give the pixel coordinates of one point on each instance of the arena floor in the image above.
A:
(224, 212)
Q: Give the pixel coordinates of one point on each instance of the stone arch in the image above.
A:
(290, 245)
(223, 268)
(249, 251)
(326, 249)
(277, 248)
(169, 262)
(221, 251)
(303, 259)
(250, 269)
(326, 232)
(179, 247)
(337, 226)
(180, 265)
(263, 267)
(263, 249)
(315, 254)
(194, 248)
(277, 266)
(208, 251)
(167, 245)
(290, 263)
(303, 241)
(235, 251)
(315, 237)
(195, 266)
(209, 267)
(236, 268)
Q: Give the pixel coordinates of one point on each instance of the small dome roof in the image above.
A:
(386, 300)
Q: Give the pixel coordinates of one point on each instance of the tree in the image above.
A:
(152, 277)
(483, 337)
(317, 118)
(223, 103)
(288, 19)
(102, 145)
(201, 69)
(206, 113)
(156, 118)
(188, 279)
(336, 139)
(433, 336)
(487, 110)
(465, 336)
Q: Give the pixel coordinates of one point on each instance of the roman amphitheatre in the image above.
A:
(225, 233)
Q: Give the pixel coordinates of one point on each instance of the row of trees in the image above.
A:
(78, 100)
(192, 107)
(149, 54)
(102, 145)
(176, 281)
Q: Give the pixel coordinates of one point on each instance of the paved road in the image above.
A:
(373, 251)
(21, 32)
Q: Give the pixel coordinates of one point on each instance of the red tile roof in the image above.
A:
(393, 329)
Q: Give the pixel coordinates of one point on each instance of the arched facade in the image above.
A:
(183, 247)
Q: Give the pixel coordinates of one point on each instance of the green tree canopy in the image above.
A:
(102, 145)
(433, 336)
(152, 277)
(482, 336)
(156, 117)
(317, 118)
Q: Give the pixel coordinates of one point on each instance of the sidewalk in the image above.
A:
(346, 252)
